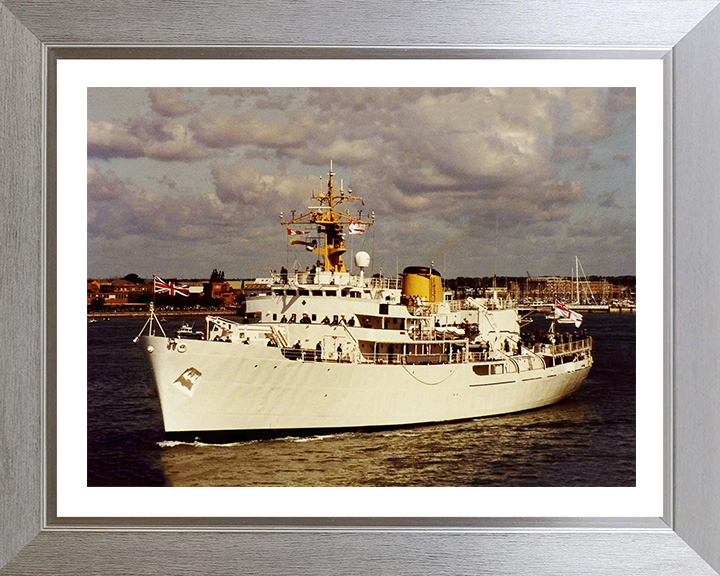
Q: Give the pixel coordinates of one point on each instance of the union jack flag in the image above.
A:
(170, 288)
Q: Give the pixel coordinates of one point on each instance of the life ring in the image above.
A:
(182, 347)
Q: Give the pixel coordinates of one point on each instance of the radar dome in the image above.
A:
(362, 259)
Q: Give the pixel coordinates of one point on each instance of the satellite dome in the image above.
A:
(362, 259)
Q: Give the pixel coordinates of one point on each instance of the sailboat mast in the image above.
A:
(577, 280)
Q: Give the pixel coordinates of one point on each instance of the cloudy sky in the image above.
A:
(184, 180)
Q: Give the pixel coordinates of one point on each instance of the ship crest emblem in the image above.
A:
(189, 378)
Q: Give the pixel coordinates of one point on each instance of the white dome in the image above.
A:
(362, 259)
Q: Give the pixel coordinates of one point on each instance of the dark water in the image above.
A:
(586, 440)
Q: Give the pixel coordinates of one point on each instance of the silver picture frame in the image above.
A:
(685, 34)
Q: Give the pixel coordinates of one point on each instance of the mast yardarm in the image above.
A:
(330, 223)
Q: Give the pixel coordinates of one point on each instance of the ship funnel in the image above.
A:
(423, 283)
(362, 259)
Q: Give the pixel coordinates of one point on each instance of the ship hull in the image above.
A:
(208, 388)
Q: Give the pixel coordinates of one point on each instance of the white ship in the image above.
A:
(324, 349)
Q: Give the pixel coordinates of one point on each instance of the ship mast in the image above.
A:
(330, 224)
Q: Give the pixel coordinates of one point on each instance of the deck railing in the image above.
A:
(377, 358)
(562, 349)
(456, 357)
(333, 278)
(386, 283)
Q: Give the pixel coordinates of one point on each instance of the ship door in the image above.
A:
(329, 348)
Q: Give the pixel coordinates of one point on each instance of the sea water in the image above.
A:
(585, 440)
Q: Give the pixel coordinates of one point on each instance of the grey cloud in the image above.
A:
(220, 129)
(461, 158)
(106, 140)
(608, 200)
(117, 209)
(229, 92)
(624, 159)
(237, 182)
(620, 99)
(601, 228)
(169, 102)
(148, 138)
(103, 186)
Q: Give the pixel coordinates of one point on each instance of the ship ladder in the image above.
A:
(357, 355)
(279, 337)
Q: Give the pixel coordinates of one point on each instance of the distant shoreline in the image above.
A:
(159, 313)
(180, 313)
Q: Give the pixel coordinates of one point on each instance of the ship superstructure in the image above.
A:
(325, 349)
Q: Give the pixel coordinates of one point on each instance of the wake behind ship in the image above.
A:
(324, 349)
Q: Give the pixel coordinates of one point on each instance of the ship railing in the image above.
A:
(472, 303)
(296, 278)
(415, 359)
(513, 364)
(423, 309)
(386, 283)
(304, 355)
(315, 277)
(466, 304)
(446, 333)
(533, 354)
(562, 349)
(477, 357)
(301, 354)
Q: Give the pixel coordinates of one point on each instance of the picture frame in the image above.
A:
(684, 34)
